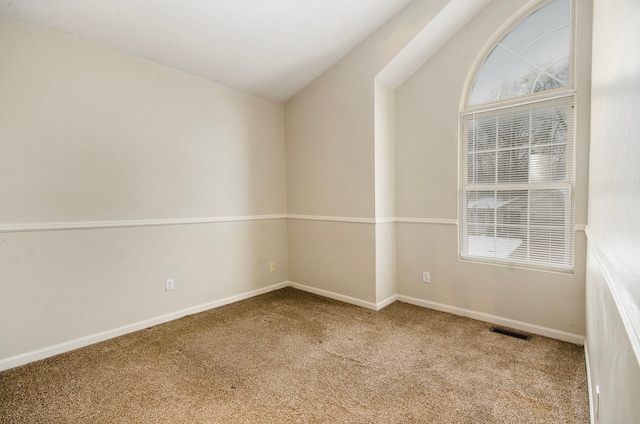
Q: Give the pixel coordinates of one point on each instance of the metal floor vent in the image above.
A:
(510, 333)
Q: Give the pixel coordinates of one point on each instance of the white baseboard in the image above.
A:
(592, 412)
(388, 301)
(493, 319)
(480, 316)
(35, 355)
(344, 298)
(25, 358)
(335, 296)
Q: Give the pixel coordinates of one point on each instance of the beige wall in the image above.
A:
(385, 196)
(329, 133)
(427, 108)
(384, 151)
(613, 264)
(93, 134)
(97, 138)
(329, 147)
(374, 54)
(334, 258)
(339, 136)
(94, 137)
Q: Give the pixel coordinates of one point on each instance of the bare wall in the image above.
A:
(108, 149)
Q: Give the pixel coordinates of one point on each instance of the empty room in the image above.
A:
(320, 211)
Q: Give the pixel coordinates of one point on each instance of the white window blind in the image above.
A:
(517, 183)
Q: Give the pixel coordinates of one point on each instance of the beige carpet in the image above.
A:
(292, 357)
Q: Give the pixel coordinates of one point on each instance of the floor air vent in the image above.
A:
(510, 333)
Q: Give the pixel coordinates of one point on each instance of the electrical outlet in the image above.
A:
(272, 267)
(426, 278)
(168, 284)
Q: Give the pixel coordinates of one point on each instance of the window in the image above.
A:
(517, 154)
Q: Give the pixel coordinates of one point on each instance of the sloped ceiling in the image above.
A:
(270, 48)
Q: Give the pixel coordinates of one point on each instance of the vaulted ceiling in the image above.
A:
(270, 48)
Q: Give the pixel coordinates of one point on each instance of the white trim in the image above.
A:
(519, 101)
(627, 307)
(443, 221)
(501, 32)
(391, 220)
(335, 296)
(35, 355)
(589, 382)
(388, 301)
(494, 319)
(90, 225)
(352, 220)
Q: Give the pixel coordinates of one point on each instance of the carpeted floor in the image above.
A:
(292, 357)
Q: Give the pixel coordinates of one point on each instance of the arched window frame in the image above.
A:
(557, 259)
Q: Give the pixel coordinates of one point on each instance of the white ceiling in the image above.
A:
(271, 48)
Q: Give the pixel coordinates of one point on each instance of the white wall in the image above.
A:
(613, 264)
(91, 137)
(427, 108)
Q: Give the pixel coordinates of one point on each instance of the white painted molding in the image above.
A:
(628, 309)
(344, 298)
(580, 227)
(374, 220)
(90, 225)
(494, 319)
(388, 301)
(25, 358)
(335, 296)
(352, 220)
(46, 352)
(440, 221)
(589, 382)
(480, 316)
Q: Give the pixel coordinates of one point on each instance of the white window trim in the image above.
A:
(466, 110)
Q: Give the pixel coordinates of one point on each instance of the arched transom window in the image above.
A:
(517, 143)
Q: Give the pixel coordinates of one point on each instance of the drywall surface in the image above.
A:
(385, 203)
(386, 272)
(93, 134)
(613, 271)
(549, 300)
(329, 130)
(427, 114)
(339, 134)
(337, 257)
(60, 286)
(613, 358)
(91, 137)
(374, 54)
